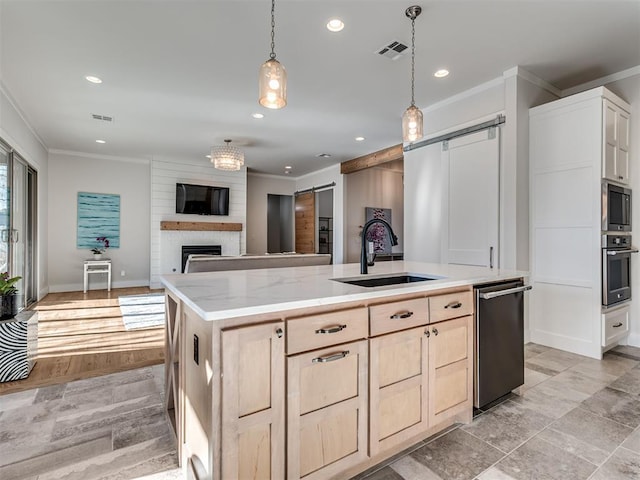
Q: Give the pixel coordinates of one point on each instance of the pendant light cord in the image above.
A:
(272, 56)
(413, 58)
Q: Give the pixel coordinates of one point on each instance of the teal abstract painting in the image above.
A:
(98, 216)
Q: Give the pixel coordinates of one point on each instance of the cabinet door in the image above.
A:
(616, 143)
(327, 411)
(253, 402)
(398, 385)
(450, 368)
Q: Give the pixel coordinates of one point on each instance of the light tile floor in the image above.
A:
(576, 418)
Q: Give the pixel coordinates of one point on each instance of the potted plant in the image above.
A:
(8, 296)
(98, 250)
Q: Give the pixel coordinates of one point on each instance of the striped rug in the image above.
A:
(142, 311)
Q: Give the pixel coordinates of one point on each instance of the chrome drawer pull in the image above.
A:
(619, 324)
(336, 329)
(453, 305)
(330, 358)
(401, 315)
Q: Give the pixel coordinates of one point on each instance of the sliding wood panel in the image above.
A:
(306, 223)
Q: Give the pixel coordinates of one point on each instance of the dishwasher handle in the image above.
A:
(508, 291)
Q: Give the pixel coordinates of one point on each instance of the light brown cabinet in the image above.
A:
(253, 436)
(398, 387)
(327, 398)
(450, 368)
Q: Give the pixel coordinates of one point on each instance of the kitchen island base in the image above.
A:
(318, 392)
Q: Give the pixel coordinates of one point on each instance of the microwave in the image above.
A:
(616, 208)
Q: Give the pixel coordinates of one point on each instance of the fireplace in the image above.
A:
(199, 250)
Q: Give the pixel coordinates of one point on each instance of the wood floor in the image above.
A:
(81, 335)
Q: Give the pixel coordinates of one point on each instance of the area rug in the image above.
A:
(142, 311)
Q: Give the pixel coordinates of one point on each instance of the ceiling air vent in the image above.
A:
(102, 118)
(393, 50)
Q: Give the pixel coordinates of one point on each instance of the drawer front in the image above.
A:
(394, 316)
(324, 330)
(615, 325)
(450, 305)
(328, 376)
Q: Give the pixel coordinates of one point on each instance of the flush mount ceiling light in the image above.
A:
(227, 157)
(92, 79)
(412, 117)
(443, 72)
(272, 79)
(335, 25)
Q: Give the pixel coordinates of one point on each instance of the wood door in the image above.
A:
(450, 368)
(306, 223)
(471, 205)
(253, 444)
(327, 411)
(398, 388)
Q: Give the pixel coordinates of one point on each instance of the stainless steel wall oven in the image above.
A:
(616, 208)
(616, 268)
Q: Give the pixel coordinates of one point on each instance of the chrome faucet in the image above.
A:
(363, 252)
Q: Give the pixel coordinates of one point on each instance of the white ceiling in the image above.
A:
(181, 76)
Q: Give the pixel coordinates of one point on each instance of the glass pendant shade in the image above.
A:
(227, 157)
(411, 124)
(272, 84)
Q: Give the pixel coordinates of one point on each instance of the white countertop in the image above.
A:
(238, 293)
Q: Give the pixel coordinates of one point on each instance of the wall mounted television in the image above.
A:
(202, 199)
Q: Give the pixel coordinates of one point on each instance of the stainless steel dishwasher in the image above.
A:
(498, 340)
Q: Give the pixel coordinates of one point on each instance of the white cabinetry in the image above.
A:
(615, 165)
(574, 142)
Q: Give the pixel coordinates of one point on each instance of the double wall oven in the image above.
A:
(617, 249)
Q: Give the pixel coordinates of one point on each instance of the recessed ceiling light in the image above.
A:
(92, 79)
(288, 167)
(208, 156)
(359, 139)
(441, 73)
(335, 25)
(287, 172)
(257, 115)
(100, 141)
(323, 155)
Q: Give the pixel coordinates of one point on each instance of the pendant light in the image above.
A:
(227, 157)
(412, 117)
(272, 79)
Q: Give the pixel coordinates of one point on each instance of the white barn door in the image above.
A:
(471, 201)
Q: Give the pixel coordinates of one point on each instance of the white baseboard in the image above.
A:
(97, 285)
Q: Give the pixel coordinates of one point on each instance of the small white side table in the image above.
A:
(97, 266)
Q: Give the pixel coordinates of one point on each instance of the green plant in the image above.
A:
(7, 285)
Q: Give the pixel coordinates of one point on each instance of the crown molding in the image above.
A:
(614, 77)
(98, 156)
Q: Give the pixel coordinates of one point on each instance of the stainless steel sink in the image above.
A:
(381, 281)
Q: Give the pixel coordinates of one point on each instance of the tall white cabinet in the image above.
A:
(575, 142)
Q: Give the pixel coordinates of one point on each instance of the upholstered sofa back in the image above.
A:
(215, 263)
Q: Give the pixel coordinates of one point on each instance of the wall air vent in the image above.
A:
(102, 118)
(393, 50)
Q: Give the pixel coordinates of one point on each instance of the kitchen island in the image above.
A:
(288, 373)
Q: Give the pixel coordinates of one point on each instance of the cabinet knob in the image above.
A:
(435, 332)
(279, 332)
(427, 333)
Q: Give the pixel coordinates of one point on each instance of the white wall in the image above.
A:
(323, 177)
(72, 172)
(372, 187)
(166, 256)
(258, 187)
(16, 131)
